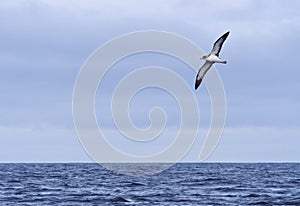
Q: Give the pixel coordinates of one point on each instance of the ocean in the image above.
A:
(181, 184)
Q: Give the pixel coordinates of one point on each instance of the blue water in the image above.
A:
(182, 184)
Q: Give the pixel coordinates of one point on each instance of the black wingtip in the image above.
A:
(197, 83)
(227, 33)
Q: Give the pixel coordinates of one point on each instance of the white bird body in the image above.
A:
(210, 59)
(215, 59)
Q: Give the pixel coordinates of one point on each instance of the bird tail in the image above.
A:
(197, 83)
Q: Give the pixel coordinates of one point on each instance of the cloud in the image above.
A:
(44, 43)
(258, 144)
(40, 143)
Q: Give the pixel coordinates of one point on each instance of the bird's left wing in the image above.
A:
(202, 71)
(218, 44)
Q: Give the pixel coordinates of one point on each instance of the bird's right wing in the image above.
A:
(202, 71)
(218, 44)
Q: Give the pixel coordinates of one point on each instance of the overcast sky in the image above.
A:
(43, 45)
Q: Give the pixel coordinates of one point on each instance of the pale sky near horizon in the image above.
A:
(43, 45)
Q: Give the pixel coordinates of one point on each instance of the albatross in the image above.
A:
(210, 59)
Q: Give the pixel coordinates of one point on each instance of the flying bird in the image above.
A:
(210, 59)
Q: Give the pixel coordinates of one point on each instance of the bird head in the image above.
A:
(204, 57)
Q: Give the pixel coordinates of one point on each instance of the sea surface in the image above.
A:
(181, 184)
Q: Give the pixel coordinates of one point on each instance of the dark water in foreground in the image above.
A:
(182, 184)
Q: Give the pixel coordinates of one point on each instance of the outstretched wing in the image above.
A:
(218, 44)
(202, 71)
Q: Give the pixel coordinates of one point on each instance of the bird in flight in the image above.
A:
(210, 59)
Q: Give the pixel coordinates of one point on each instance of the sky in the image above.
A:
(43, 45)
